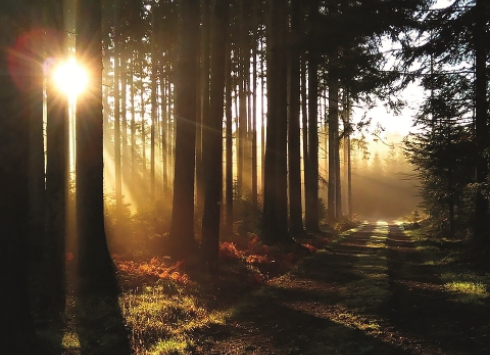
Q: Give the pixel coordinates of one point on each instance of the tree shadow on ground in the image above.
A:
(101, 327)
(292, 322)
(421, 305)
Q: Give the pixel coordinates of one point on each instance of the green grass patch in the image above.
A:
(466, 287)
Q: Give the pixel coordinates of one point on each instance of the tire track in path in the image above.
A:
(368, 293)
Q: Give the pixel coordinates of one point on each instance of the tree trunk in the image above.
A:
(275, 189)
(333, 132)
(154, 94)
(254, 107)
(229, 145)
(182, 229)
(20, 82)
(311, 210)
(304, 123)
(212, 139)
(134, 169)
(295, 210)
(481, 125)
(117, 110)
(95, 269)
(203, 102)
(53, 298)
(164, 128)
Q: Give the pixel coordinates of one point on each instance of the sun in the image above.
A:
(70, 78)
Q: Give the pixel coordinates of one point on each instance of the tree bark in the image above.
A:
(56, 172)
(182, 229)
(294, 154)
(275, 189)
(212, 138)
(19, 84)
(117, 109)
(229, 145)
(311, 210)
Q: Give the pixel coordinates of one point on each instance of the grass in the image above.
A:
(461, 281)
(466, 286)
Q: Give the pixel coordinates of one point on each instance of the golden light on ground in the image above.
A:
(70, 78)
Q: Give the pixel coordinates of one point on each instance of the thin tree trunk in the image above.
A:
(133, 120)
(203, 102)
(481, 125)
(229, 145)
(154, 94)
(311, 210)
(254, 108)
(304, 123)
(143, 112)
(294, 151)
(333, 129)
(117, 110)
(262, 117)
(164, 127)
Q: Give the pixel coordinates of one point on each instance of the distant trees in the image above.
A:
(453, 160)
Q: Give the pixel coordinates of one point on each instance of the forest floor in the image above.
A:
(375, 290)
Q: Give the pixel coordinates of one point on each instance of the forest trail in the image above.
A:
(372, 291)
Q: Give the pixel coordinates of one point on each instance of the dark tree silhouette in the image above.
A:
(97, 284)
(213, 136)
(275, 184)
(18, 86)
(182, 230)
(294, 148)
(56, 165)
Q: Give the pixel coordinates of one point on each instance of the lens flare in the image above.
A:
(70, 78)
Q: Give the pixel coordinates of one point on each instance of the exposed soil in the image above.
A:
(372, 292)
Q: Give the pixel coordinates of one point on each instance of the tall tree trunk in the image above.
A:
(182, 229)
(164, 127)
(311, 210)
(304, 124)
(124, 111)
(254, 106)
(243, 62)
(143, 109)
(212, 139)
(134, 169)
(275, 191)
(333, 132)
(229, 144)
(203, 102)
(20, 83)
(117, 109)
(294, 154)
(154, 94)
(95, 269)
(262, 116)
(56, 171)
(481, 124)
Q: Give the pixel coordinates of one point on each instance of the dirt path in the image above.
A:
(370, 293)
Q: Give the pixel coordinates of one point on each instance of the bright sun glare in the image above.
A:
(70, 78)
